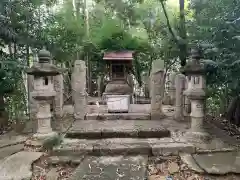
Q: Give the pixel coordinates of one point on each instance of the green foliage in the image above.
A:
(141, 26)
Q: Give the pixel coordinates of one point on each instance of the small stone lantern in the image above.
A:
(44, 93)
(196, 94)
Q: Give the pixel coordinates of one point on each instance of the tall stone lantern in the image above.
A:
(43, 93)
(196, 94)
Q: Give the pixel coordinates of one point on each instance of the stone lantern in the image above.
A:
(43, 93)
(196, 94)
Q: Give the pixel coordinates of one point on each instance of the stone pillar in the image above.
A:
(145, 80)
(99, 85)
(58, 99)
(180, 84)
(187, 103)
(157, 89)
(32, 104)
(79, 89)
(172, 88)
(197, 96)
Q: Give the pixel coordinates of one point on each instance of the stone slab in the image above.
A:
(18, 166)
(122, 146)
(9, 150)
(134, 108)
(219, 163)
(93, 129)
(8, 140)
(56, 160)
(115, 116)
(112, 167)
(190, 161)
(172, 148)
(52, 174)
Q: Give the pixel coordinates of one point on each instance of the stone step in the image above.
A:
(117, 116)
(94, 129)
(122, 146)
(110, 168)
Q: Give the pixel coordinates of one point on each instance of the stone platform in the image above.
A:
(110, 168)
(115, 116)
(93, 129)
(122, 146)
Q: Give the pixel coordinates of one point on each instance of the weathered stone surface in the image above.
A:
(190, 161)
(118, 128)
(32, 103)
(156, 177)
(157, 86)
(172, 148)
(120, 146)
(115, 116)
(74, 147)
(214, 145)
(52, 174)
(173, 167)
(109, 168)
(9, 150)
(219, 163)
(134, 108)
(58, 99)
(68, 159)
(18, 166)
(79, 89)
(118, 87)
(180, 85)
(11, 140)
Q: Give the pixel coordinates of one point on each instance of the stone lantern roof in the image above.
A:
(194, 67)
(44, 67)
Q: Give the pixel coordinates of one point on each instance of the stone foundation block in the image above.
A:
(172, 149)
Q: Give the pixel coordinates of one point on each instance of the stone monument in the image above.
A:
(43, 93)
(157, 89)
(58, 99)
(187, 103)
(79, 94)
(196, 94)
(179, 105)
(172, 88)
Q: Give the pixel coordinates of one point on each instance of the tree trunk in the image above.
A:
(183, 35)
(3, 115)
(233, 112)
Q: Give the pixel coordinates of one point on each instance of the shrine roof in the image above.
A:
(119, 55)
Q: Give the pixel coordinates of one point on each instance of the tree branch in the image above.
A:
(168, 23)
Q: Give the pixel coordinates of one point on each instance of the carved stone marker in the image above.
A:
(172, 88)
(79, 89)
(32, 104)
(58, 100)
(180, 84)
(156, 90)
